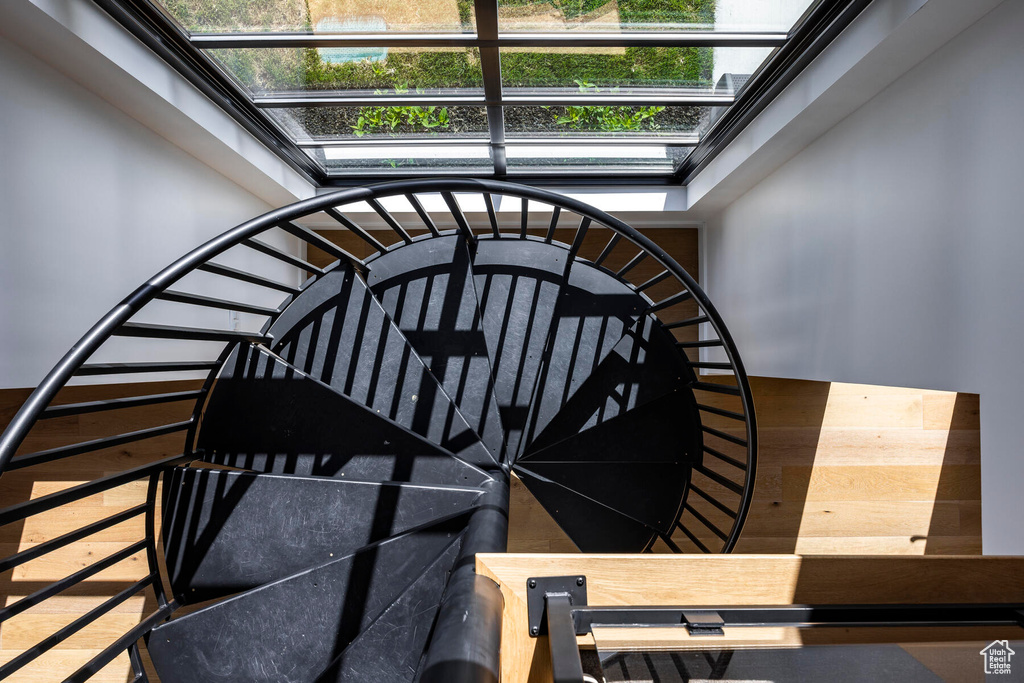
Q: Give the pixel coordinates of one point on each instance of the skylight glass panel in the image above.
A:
(428, 122)
(520, 87)
(618, 71)
(389, 71)
(404, 158)
(322, 16)
(544, 16)
(606, 70)
(639, 158)
(645, 121)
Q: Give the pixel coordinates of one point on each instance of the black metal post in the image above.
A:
(565, 653)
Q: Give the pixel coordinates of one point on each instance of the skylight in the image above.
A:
(348, 90)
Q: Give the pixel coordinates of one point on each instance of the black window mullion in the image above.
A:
(490, 64)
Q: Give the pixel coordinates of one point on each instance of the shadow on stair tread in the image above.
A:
(428, 290)
(293, 628)
(594, 311)
(642, 366)
(518, 283)
(665, 430)
(649, 492)
(391, 649)
(265, 415)
(637, 463)
(592, 526)
(229, 531)
(338, 333)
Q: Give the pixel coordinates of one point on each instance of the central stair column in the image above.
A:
(467, 636)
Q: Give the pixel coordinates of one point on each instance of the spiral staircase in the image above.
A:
(344, 462)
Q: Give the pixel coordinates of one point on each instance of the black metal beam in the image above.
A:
(728, 437)
(390, 220)
(466, 644)
(275, 253)
(660, 277)
(355, 229)
(243, 276)
(719, 479)
(366, 99)
(67, 409)
(323, 244)
(711, 499)
(424, 216)
(841, 616)
(92, 369)
(562, 141)
(152, 331)
(210, 302)
(724, 458)
(493, 99)
(530, 178)
(715, 388)
(460, 218)
(686, 323)
(222, 41)
(712, 409)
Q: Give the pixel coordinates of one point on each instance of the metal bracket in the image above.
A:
(703, 623)
(575, 587)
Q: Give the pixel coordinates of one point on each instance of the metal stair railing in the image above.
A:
(726, 476)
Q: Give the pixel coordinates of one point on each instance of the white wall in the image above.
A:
(92, 204)
(891, 250)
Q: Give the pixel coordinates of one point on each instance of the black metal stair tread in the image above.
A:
(293, 628)
(518, 283)
(649, 492)
(594, 311)
(592, 526)
(642, 366)
(665, 429)
(391, 648)
(337, 332)
(636, 463)
(268, 416)
(230, 531)
(427, 288)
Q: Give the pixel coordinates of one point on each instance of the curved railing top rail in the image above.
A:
(132, 304)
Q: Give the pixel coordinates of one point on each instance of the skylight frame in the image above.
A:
(821, 22)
